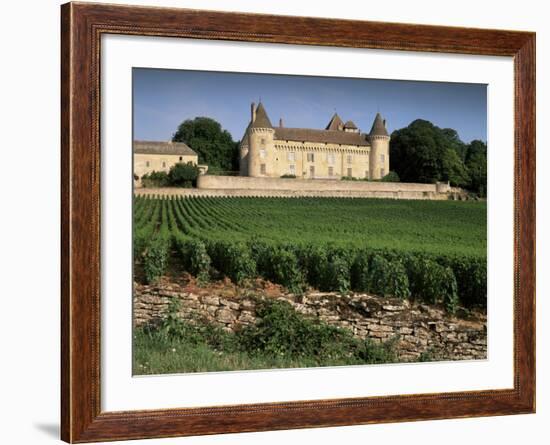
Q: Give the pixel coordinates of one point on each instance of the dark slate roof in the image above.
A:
(322, 136)
(262, 120)
(162, 148)
(350, 124)
(378, 127)
(335, 123)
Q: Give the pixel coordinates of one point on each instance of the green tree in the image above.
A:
(425, 153)
(476, 164)
(213, 144)
(183, 175)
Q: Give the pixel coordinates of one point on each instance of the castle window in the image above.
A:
(181, 158)
(262, 169)
(350, 158)
(292, 170)
(291, 156)
(262, 141)
(263, 153)
(310, 157)
(382, 173)
(164, 165)
(312, 171)
(330, 158)
(382, 158)
(147, 164)
(350, 173)
(331, 171)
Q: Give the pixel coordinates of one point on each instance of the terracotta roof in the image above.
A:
(262, 120)
(335, 123)
(322, 136)
(162, 148)
(378, 127)
(350, 124)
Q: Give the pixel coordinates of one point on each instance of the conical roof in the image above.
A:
(262, 120)
(335, 123)
(378, 127)
(351, 125)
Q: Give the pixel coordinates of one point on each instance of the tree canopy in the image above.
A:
(423, 152)
(213, 144)
(476, 163)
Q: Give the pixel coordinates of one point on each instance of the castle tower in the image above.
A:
(261, 151)
(379, 158)
(335, 124)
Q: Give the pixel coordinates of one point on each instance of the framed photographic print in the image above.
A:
(274, 222)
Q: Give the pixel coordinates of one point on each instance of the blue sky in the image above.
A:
(165, 98)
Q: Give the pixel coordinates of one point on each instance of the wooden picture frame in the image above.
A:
(82, 26)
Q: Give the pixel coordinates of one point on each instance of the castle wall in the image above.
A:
(275, 184)
(330, 161)
(236, 186)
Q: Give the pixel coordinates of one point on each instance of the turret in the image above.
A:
(379, 159)
(260, 143)
(335, 124)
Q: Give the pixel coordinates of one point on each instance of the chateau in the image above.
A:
(340, 150)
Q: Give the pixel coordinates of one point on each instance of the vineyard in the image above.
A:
(429, 250)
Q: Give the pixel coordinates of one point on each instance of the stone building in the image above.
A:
(338, 150)
(157, 156)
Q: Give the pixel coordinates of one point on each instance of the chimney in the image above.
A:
(281, 122)
(253, 112)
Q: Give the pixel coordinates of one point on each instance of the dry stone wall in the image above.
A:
(421, 329)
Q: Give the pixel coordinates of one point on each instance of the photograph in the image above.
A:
(291, 221)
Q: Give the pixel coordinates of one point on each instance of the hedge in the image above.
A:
(449, 281)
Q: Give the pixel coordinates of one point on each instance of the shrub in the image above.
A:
(282, 331)
(313, 259)
(156, 257)
(471, 277)
(288, 176)
(141, 237)
(260, 254)
(232, 259)
(388, 278)
(360, 272)
(349, 178)
(195, 258)
(390, 177)
(183, 175)
(432, 282)
(155, 179)
(285, 269)
(370, 352)
(336, 275)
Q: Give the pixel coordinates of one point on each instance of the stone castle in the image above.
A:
(340, 150)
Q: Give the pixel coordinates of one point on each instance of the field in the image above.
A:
(433, 250)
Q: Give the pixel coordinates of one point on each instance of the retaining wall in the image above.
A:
(420, 328)
(211, 185)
